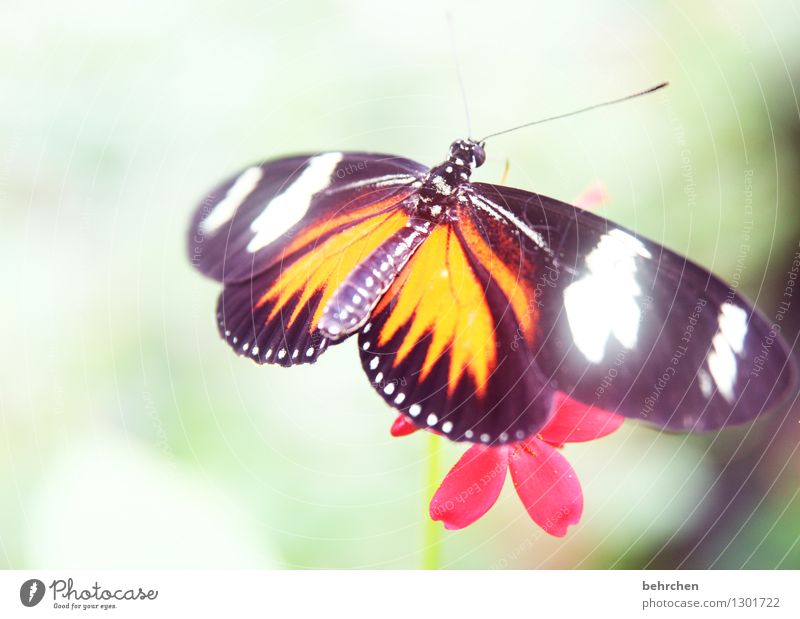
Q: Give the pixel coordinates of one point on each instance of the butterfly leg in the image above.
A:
(506, 170)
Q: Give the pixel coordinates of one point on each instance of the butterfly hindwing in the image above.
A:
(298, 228)
(447, 344)
(630, 326)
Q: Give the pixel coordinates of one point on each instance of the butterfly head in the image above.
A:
(467, 152)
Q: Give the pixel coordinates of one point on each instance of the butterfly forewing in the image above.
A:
(282, 236)
(245, 224)
(632, 327)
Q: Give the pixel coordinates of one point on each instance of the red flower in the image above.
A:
(594, 196)
(544, 480)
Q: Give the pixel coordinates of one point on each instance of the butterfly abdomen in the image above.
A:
(352, 303)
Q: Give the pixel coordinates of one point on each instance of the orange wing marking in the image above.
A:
(326, 267)
(439, 293)
(515, 288)
(322, 228)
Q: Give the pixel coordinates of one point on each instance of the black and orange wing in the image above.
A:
(521, 295)
(630, 326)
(283, 235)
(448, 343)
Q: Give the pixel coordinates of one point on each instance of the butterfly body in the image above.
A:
(439, 190)
(356, 297)
(473, 303)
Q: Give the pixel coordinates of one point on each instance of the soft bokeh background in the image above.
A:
(130, 436)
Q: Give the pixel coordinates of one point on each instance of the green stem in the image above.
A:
(432, 538)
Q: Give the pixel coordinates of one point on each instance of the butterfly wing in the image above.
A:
(283, 235)
(629, 326)
(244, 224)
(446, 344)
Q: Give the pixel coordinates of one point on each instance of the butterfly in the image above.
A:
(474, 303)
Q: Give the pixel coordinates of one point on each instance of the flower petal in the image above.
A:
(471, 487)
(593, 196)
(402, 427)
(575, 422)
(547, 486)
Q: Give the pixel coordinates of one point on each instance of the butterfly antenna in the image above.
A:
(580, 111)
(454, 51)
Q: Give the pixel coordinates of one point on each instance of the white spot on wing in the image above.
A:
(289, 207)
(603, 303)
(726, 344)
(733, 325)
(238, 192)
(706, 386)
(722, 365)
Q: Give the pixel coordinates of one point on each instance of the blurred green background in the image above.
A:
(131, 437)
